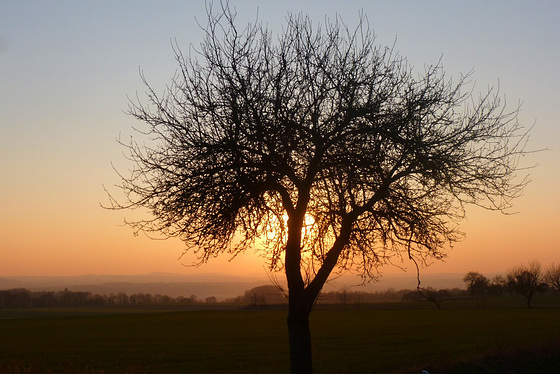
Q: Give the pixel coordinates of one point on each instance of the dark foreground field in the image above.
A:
(242, 341)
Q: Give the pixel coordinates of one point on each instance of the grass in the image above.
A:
(175, 342)
(344, 341)
(396, 340)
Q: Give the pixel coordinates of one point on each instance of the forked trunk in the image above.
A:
(301, 298)
(300, 340)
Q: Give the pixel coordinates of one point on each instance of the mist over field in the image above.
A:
(222, 286)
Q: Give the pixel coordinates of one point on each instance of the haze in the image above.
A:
(67, 67)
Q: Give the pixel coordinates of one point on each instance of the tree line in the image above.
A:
(525, 280)
(265, 295)
(24, 298)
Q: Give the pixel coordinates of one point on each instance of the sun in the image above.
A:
(277, 229)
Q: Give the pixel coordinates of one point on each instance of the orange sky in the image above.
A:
(67, 68)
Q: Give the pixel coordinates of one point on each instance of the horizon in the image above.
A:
(264, 275)
(222, 286)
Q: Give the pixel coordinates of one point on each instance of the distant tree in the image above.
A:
(262, 295)
(343, 296)
(458, 292)
(331, 151)
(97, 300)
(412, 296)
(434, 296)
(45, 299)
(527, 280)
(16, 298)
(211, 300)
(477, 284)
(121, 298)
(430, 294)
(498, 285)
(134, 299)
(552, 277)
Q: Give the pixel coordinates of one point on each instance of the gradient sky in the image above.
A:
(67, 67)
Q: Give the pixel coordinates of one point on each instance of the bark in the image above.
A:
(301, 298)
(299, 307)
(300, 339)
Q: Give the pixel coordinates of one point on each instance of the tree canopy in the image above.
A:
(321, 124)
(477, 284)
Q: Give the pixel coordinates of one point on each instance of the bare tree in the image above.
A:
(477, 284)
(527, 280)
(552, 277)
(498, 285)
(330, 150)
(343, 294)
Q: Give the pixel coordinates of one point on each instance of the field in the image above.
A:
(377, 340)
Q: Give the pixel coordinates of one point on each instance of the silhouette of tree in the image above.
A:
(343, 294)
(552, 277)
(527, 280)
(330, 151)
(263, 295)
(477, 284)
(498, 285)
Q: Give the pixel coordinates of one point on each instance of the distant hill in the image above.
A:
(397, 281)
(222, 286)
(6, 283)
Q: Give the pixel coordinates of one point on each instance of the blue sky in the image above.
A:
(67, 68)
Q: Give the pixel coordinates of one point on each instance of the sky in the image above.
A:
(68, 69)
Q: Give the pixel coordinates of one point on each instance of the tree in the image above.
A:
(552, 277)
(498, 285)
(343, 295)
(432, 295)
(263, 295)
(527, 280)
(211, 300)
(477, 284)
(329, 152)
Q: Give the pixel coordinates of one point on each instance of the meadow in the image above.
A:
(385, 339)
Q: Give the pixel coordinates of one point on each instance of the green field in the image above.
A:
(244, 341)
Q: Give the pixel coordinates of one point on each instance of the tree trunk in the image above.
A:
(301, 298)
(299, 309)
(300, 340)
